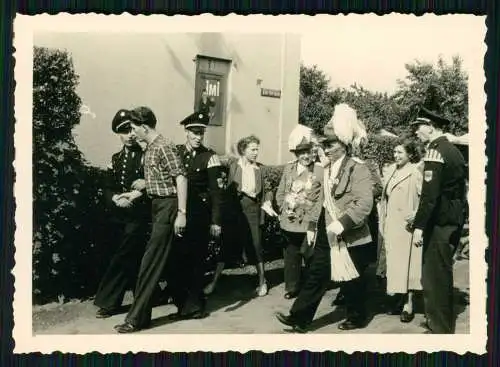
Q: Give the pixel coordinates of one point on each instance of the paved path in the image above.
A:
(234, 309)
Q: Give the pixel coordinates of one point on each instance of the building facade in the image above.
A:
(248, 83)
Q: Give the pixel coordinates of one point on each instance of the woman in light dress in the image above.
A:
(399, 204)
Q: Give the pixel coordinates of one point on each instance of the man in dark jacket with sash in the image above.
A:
(342, 249)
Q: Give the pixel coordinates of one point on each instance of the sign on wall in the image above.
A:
(273, 93)
(210, 98)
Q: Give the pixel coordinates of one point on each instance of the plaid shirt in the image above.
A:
(162, 164)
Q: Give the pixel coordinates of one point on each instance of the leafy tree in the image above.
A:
(443, 88)
(316, 99)
(376, 110)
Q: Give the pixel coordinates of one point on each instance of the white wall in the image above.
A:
(157, 70)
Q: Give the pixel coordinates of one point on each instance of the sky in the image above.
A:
(372, 51)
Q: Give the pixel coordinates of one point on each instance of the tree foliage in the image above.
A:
(316, 100)
(441, 87)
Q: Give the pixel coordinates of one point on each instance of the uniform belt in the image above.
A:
(152, 197)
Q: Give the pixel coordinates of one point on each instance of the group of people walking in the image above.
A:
(326, 204)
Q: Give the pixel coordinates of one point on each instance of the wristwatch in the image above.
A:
(183, 211)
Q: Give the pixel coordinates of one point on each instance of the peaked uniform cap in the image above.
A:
(121, 121)
(196, 119)
(428, 117)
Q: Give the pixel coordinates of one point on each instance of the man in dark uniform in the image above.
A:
(439, 214)
(204, 203)
(166, 185)
(129, 207)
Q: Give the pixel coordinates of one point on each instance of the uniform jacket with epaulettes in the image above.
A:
(206, 181)
(443, 189)
(126, 167)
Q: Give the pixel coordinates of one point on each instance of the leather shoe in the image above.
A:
(104, 313)
(406, 316)
(175, 316)
(297, 329)
(287, 320)
(291, 295)
(126, 328)
(350, 325)
(197, 315)
(284, 319)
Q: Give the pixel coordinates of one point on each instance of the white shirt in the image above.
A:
(335, 167)
(300, 169)
(247, 177)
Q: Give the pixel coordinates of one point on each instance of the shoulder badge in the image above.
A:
(428, 176)
(214, 161)
(433, 155)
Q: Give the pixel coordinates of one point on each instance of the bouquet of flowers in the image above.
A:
(301, 197)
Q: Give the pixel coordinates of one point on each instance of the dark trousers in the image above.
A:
(164, 212)
(355, 290)
(437, 279)
(186, 270)
(122, 271)
(293, 254)
(319, 278)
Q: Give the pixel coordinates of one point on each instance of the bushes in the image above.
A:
(70, 227)
(379, 149)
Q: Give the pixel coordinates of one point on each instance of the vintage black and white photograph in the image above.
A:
(237, 183)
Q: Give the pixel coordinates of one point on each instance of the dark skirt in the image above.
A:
(241, 231)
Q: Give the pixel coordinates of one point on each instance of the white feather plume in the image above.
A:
(299, 133)
(346, 126)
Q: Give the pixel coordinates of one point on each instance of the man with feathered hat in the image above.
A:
(342, 244)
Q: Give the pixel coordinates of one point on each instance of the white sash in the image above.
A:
(342, 267)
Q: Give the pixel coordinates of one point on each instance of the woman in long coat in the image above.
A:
(399, 204)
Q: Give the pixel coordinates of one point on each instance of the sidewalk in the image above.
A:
(234, 309)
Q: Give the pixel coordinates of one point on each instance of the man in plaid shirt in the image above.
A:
(166, 185)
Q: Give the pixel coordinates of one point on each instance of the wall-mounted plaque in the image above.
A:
(273, 93)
